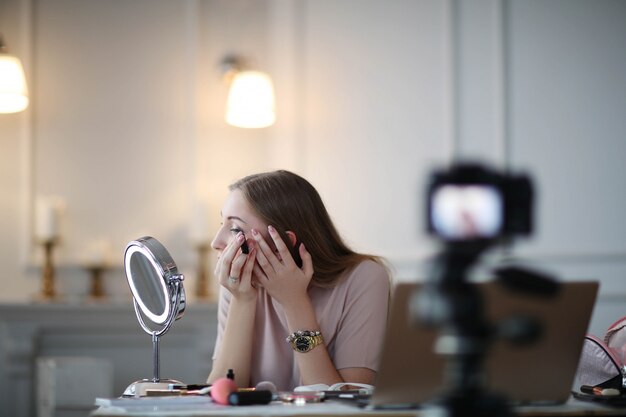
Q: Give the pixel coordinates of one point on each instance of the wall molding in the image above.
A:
(27, 169)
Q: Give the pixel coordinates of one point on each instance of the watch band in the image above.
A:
(303, 341)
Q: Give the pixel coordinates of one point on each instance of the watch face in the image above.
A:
(302, 343)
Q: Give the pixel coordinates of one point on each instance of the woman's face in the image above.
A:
(238, 216)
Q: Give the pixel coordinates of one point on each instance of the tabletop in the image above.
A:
(204, 406)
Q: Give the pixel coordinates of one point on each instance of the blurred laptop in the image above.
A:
(410, 373)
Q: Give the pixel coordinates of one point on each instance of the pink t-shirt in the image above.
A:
(352, 318)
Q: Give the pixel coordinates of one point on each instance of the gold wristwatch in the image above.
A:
(305, 340)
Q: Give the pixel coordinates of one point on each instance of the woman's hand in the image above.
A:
(234, 269)
(279, 274)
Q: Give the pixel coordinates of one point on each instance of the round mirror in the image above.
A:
(158, 299)
(153, 277)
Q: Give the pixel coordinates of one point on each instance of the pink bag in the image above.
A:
(602, 362)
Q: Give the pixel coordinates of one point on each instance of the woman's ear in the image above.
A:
(292, 237)
(295, 253)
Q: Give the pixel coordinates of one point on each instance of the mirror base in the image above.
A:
(139, 388)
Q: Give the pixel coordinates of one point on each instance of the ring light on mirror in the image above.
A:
(158, 300)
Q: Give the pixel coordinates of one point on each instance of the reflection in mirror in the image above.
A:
(158, 299)
(148, 286)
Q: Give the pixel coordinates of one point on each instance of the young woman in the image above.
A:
(300, 307)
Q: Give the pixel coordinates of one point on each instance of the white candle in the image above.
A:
(199, 224)
(48, 218)
(97, 253)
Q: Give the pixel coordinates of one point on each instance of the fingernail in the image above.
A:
(240, 237)
(271, 229)
(254, 232)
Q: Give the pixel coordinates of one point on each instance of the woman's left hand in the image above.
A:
(280, 275)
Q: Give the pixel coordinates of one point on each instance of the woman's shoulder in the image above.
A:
(368, 273)
(370, 266)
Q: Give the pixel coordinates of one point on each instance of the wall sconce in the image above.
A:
(251, 102)
(13, 89)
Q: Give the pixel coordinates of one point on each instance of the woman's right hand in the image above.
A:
(234, 269)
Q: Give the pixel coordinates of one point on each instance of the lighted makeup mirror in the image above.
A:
(158, 299)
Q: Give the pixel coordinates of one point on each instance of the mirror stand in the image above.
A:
(140, 388)
(158, 300)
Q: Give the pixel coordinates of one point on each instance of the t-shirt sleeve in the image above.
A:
(364, 318)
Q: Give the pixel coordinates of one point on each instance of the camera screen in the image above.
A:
(465, 212)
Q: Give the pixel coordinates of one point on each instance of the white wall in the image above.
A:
(372, 95)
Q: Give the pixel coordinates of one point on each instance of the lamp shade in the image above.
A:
(13, 89)
(251, 102)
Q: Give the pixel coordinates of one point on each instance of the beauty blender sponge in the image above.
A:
(221, 389)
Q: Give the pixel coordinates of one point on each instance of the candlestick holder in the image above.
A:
(96, 289)
(48, 290)
(203, 284)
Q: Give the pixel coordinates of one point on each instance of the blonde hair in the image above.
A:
(290, 203)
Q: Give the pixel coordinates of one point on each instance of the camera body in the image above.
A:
(471, 202)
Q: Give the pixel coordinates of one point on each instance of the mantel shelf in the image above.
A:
(29, 331)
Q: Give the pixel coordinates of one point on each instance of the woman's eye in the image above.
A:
(235, 230)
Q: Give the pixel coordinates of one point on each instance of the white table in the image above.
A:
(203, 406)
